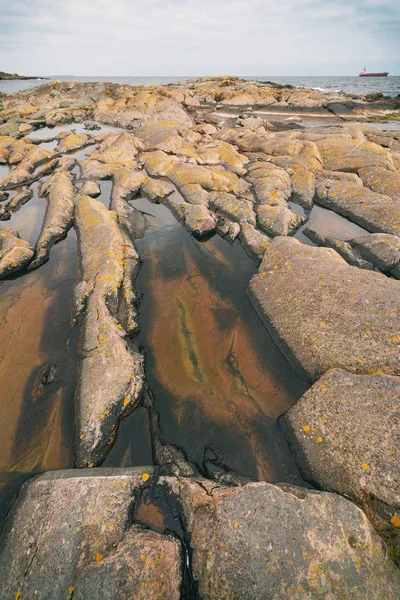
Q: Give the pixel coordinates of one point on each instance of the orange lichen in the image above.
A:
(145, 477)
(395, 521)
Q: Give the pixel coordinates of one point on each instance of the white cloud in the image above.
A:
(185, 37)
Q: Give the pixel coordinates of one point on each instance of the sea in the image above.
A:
(388, 86)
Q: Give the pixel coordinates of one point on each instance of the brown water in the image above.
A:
(217, 377)
(36, 422)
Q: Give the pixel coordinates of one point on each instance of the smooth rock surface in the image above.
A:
(343, 434)
(324, 313)
(260, 541)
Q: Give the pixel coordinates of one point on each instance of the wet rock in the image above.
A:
(375, 212)
(278, 219)
(60, 193)
(15, 254)
(343, 435)
(382, 181)
(292, 543)
(343, 248)
(65, 521)
(339, 316)
(110, 376)
(254, 242)
(144, 565)
(91, 188)
(381, 249)
(15, 203)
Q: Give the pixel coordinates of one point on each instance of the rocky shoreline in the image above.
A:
(230, 158)
(15, 76)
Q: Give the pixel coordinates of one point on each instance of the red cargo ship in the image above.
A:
(365, 74)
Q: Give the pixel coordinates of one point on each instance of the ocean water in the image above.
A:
(389, 86)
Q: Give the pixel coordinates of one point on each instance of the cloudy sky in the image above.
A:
(197, 37)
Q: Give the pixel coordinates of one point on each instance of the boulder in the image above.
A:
(198, 219)
(382, 249)
(110, 373)
(278, 219)
(91, 188)
(89, 549)
(261, 541)
(227, 229)
(323, 313)
(343, 434)
(15, 254)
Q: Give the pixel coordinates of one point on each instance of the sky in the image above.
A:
(199, 37)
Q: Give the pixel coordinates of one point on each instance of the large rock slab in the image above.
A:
(15, 254)
(69, 535)
(110, 374)
(323, 313)
(345, 152)
(375, 212)
(260, 541)
(343, 434)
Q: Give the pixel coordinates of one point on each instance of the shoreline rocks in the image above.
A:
(70, 534)
(324, 313)
(343, 434)
(110, 372)
(285, 541)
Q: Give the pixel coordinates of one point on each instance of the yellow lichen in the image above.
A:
(306, 428)
(145, 477)
(365, 466)
(98, 556)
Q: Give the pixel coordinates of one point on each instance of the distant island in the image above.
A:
(16, 76)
